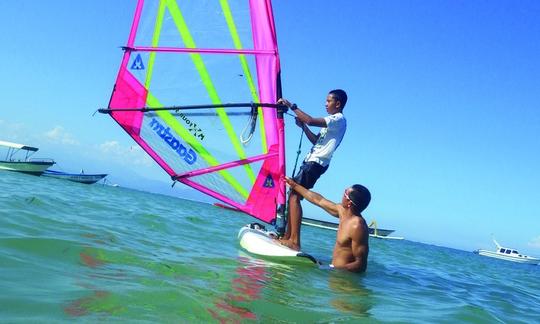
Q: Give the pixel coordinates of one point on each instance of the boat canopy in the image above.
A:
(18, 146)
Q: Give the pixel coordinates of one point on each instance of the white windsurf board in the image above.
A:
(255, 239)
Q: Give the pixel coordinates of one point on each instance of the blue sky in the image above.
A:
(443, 118)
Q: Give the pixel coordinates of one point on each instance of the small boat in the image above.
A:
(507, 254)
(23, 164)
(381, 233)
(373, 230)
(76, 177)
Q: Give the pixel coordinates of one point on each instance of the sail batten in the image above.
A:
(221, 58)
(223, 166)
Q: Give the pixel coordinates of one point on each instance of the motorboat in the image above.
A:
(508, 254)
(18, 159)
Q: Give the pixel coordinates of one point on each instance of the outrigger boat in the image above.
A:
(75, 177)
(23, 164)
(507, 254)
(381, 233)
(374, 231)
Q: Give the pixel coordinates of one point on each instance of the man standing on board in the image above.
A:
(318, 159)
(352, 247)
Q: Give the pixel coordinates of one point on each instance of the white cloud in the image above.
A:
(109, 146)
(535, 242)
(59, 135)
(132, 155)
(13, 132)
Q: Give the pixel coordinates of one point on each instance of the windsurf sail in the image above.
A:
(194, 77)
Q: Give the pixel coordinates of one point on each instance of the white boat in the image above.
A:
(82, 177)
(21, 162)
(508, 254)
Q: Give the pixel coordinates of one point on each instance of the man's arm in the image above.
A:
(308, 120)
(359, 250)
(314, 198)
(312, 137)
(302, 116)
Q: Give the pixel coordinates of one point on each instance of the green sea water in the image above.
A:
(88, 253)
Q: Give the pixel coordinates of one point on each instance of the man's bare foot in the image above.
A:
(290, 244)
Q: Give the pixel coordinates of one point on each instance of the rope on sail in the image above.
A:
(252, 123)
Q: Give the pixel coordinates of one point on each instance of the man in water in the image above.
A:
(352, 248)
(318, 159)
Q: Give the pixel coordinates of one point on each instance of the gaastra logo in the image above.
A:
(188, 155)
(137, 63)
(268, 182)
(196, 131)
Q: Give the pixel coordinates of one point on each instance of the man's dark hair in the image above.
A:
(340, 96)
(360, 196)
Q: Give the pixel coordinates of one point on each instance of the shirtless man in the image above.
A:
(352, 248)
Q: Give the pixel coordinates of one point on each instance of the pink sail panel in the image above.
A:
(263, 199)
(128, 92)
(264, 38)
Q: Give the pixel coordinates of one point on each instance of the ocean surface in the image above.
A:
(88, 253)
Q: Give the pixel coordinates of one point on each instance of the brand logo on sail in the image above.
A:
(268, 182)
(138, 63)
(165, 133)
(193, 129)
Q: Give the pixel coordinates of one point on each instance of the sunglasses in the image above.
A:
(348, 198)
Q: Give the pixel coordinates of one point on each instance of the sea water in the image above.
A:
(73, 252)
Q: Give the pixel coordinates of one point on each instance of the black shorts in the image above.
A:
(309, 173)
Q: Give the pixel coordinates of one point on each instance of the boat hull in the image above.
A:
(75, 177)
(28, 167)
